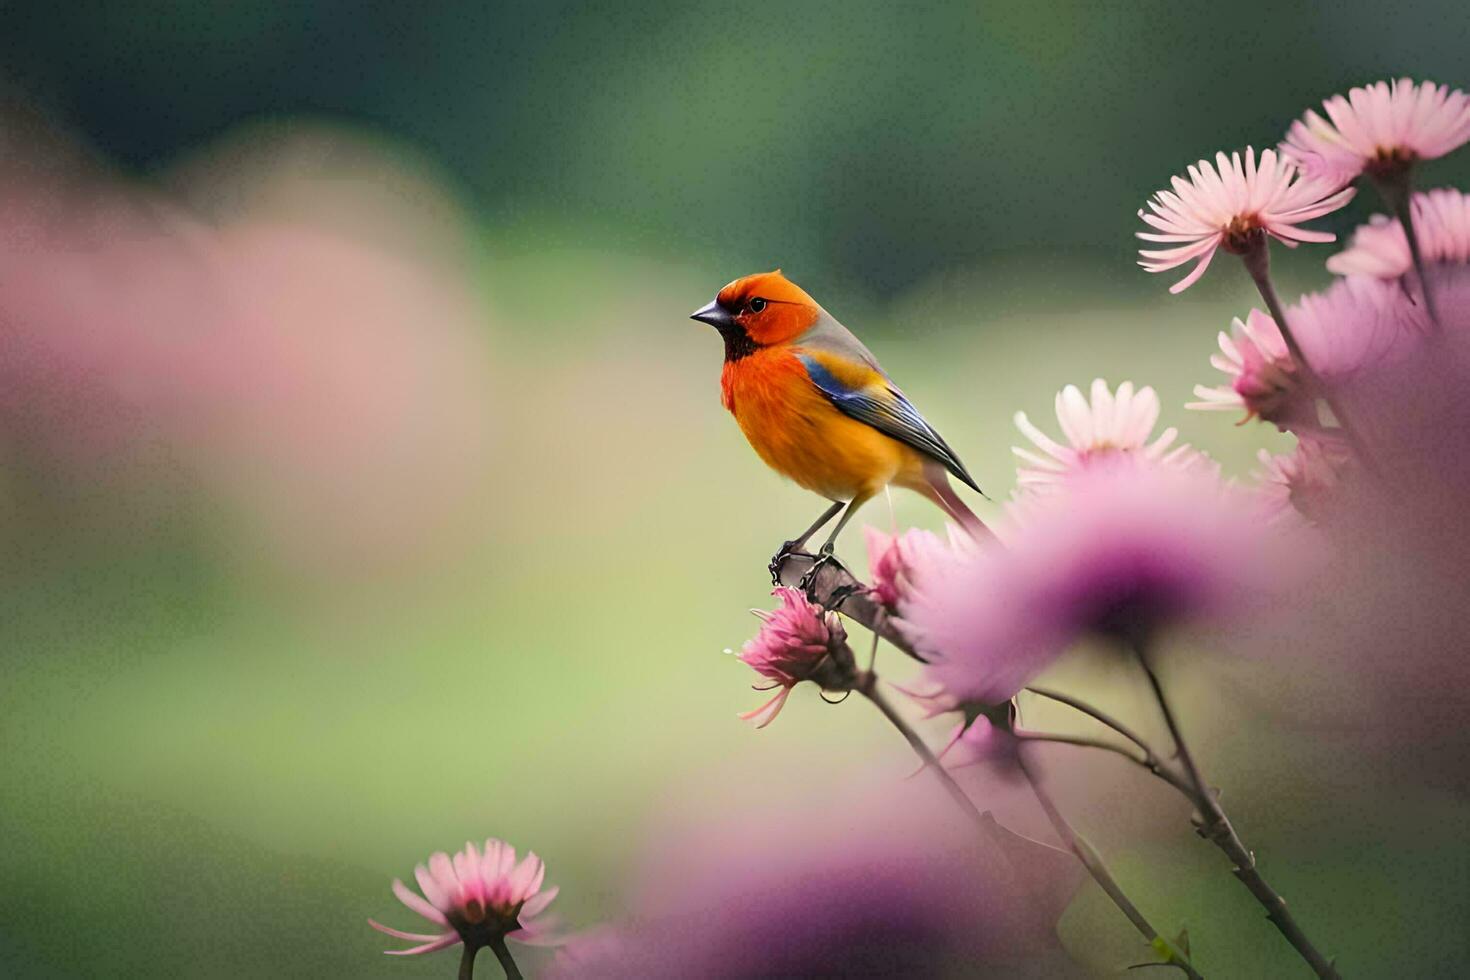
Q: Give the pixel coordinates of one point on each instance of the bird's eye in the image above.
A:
(757, 304)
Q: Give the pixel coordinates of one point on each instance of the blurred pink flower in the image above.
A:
(1379, 248)
(974, 740)
(106, 293)
(1225, 205)
(327, 393)
(797, 641)
(1379, 129)
(1381, 627)
(1303, 482)
(1410, 392)
(477, 898)
(932, 701)
(351, 424)
(891, 559)
(848, 887)
(1102, 432)
(1122, 553)
(886, 565)
(979, 742)
(1355, 327)
(588, 949)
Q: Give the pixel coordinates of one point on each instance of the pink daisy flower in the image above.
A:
(1381, 130)
(1227, 205)
(1345, 331)
(1119, 553)
(798, 641)
(1108, 428)
(477, 898)
(1264, 381)
(1379, 249)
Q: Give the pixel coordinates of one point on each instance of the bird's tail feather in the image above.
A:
(943, 494)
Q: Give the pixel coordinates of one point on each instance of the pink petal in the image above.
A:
(772, 706)
(443, 942)
(419, 905)
(443, 872)
(430, 887)
(1193, 277)
(537, 903)
(400, 934)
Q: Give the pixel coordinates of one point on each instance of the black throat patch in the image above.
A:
(738, 344)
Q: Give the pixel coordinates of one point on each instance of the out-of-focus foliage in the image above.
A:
(860, 143)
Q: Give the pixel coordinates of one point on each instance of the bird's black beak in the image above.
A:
(715, 315)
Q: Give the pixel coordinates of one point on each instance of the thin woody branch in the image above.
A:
(1216, 828)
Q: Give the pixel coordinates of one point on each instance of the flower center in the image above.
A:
(1241, 233)
(1390, 163)
(479, 923)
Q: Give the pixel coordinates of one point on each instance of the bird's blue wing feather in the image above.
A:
(886, 409)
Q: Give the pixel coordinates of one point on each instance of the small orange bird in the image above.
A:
(817, 407)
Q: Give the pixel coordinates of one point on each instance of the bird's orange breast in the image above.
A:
(800, 434)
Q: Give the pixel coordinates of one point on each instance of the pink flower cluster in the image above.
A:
(1369, 374)
(1381, 130)
(1122, 535)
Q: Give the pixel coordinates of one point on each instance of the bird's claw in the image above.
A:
(787, 550)
(808, 581)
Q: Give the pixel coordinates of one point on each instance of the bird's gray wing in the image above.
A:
(881, 405)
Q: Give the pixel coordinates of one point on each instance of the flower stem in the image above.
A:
(1397, 194)
(1147, 761)
(467, 961)
(1093, 862)
(1150, 759)
(867, 686)
(866, 683)
(1215, 827)
(1092, 712)
(1258, 263)
(507, 962)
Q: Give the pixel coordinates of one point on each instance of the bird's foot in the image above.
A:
(808, 581)
(789, 549)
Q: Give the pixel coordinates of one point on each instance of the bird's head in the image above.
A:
(757, 311)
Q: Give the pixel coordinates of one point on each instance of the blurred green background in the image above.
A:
(245, 682)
